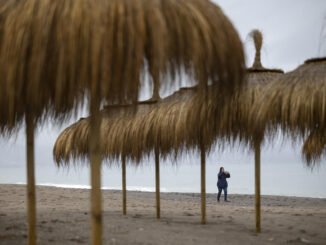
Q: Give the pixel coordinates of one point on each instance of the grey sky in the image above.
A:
(292, 29)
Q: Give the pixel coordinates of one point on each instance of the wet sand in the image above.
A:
(63, 218)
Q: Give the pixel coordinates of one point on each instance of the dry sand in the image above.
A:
(63, 218)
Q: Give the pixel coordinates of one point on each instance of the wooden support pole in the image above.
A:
(157, 183)
(257, 185)
(95, 158)
(31, 196)
(203, 184)
(124, 187)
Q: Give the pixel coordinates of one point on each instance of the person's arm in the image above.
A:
(227, 175)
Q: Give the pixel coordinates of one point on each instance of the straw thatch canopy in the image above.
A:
(52, 51)
(257, 77)
(170, 127)
(72, 143)
(237, 123)
(296, 101)
(232, 121)
(314, 147)
(134, 134)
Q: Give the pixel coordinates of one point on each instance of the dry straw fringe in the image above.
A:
(54, 52)
(296, 102)
(314, 147)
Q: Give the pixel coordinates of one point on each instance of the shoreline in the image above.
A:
(63, 217)
(143, 189)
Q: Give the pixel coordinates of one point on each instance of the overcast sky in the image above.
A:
(293, 32)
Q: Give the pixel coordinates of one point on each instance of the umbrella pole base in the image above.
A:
(124, 187)
(257, 187)
(31, 196)
(95, 159)
(157, 184)
(203, 186)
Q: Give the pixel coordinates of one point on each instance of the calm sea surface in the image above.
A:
(282, 171)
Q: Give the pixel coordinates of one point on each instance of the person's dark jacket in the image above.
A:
(222, 183)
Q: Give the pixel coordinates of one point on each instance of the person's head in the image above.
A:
(221, 169)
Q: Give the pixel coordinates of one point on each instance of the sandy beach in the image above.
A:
(63, 218)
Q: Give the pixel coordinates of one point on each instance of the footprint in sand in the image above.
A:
(188, 214)
(299, 240)
(77, 239)
(137, 216)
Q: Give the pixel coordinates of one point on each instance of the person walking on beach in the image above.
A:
(222, 184)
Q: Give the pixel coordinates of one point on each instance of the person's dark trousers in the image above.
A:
(225, 189)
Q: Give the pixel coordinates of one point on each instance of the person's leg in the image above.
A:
(225, 194)
(219, 194)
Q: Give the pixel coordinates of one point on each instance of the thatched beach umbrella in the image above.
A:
(165, 130)
(178, 130)
(234, 119)
(258, 77)
(54, 52)
(296, 103)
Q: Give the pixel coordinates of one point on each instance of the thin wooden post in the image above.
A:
(95, 158)
(203, 184)
(257, 185)
(124, 191)
(31, 203)
(157, 183)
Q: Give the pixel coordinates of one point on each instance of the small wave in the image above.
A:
(59, 185)
(70, 186)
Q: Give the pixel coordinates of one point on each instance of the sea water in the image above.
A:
(282, 170)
